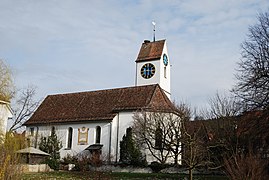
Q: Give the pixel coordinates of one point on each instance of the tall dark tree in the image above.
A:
(52, 146)
(253, 69)
(130, 154)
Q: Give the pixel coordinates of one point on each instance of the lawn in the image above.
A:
(108, 176)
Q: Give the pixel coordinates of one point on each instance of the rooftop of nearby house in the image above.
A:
(254, 123)
(100, 105)
(150, 50)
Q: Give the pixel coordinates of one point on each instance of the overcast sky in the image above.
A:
(63, 46)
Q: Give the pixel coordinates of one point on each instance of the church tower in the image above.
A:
(153, 65)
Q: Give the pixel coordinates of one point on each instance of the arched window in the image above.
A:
(52, 130)
(70, 137)
(32, 131)
(158, 138)
(98, 135)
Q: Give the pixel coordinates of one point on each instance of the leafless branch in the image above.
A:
(25, 107)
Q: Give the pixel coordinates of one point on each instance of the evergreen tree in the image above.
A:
(52, 146)
(130, 154)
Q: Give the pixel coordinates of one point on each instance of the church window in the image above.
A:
(165, 72)
(98, 135)
(158, 138)
(32, 131)
(52, 130)
(70, 138)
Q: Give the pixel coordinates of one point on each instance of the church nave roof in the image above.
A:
(100, 105)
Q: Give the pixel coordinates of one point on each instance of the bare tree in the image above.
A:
(25, 106)
(222, 105)
(6, 82)
(184, 114)
(253, 69)
(238, 139)
(150, 131)
(194, 145)
(249, 160)
(172, 142)
(249, 166)
(160, 132)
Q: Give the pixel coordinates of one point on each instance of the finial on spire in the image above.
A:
(154, 24)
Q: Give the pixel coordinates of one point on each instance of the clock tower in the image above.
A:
(153, 65)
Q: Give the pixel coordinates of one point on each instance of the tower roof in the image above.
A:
(100, 105)
(150, 50)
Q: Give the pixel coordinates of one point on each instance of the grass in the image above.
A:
(110, 176)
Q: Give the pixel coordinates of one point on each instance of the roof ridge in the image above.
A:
(149, 100)
(101, 90)
(166, 99)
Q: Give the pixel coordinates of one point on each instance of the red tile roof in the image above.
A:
(255, 123)
(150, 50)
(99, 105)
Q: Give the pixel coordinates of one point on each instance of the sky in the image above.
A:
(62, 46)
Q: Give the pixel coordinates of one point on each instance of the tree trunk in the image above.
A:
(176, 161)
(190, 174)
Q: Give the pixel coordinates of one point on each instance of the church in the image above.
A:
(99, 119)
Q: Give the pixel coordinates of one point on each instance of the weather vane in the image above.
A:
(154, 24)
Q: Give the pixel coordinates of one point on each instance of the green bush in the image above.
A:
(68, 160)
(157, 167)
(53, 163)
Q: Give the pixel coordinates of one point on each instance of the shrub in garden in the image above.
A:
(130, 153)
(157, 167)
(51, 145)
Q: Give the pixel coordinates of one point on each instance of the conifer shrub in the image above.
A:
(52, 146)
(130, 153)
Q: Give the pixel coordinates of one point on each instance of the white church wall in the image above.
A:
(111, 135)
(62, 133)
(120, 123)
(114, 138)
(117, 128)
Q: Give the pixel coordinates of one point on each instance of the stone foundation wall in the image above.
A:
(35, 168)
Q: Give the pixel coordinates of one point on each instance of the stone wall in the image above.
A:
(35, 168)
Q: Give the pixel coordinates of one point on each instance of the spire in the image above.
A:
(154, 24)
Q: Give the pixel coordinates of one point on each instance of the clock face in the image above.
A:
(165, 60)
(147, 70)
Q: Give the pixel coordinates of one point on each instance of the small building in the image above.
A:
(5, 114)
(32, 155)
